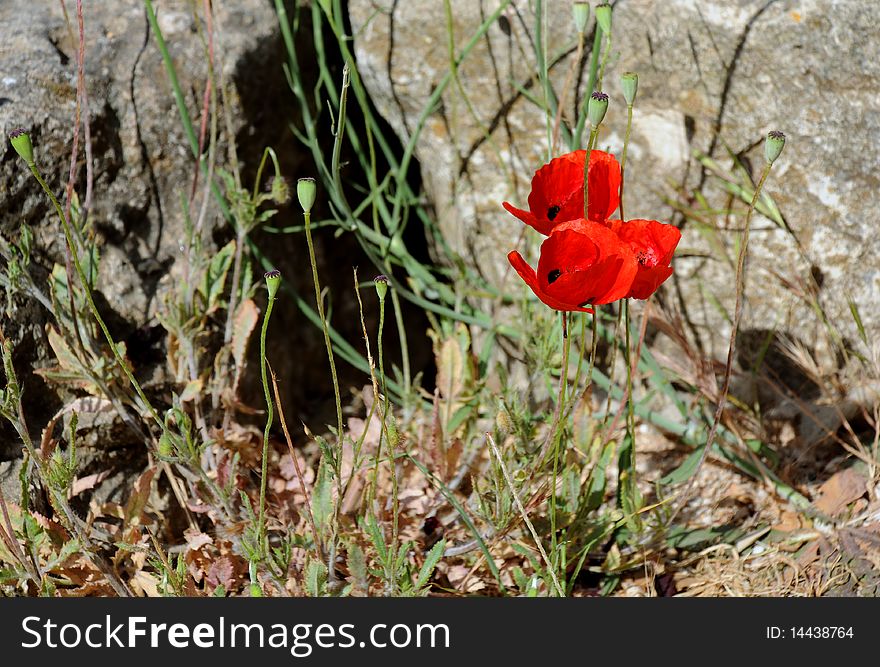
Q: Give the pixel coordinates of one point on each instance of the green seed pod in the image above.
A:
(381, 282)
(773, 145)
(273, 282)
(581, 13)
(306, 192)
(603, 17)
(629, 82)
(21, 142)
(596, 108)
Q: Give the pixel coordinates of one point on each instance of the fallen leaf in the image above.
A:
(221, 573)
(840, 490)
(88, 482)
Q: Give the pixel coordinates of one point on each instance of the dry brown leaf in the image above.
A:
(195, 539)
(840, 490)
(145, 584)
(221, 573)
(138, 500)
(88, 482)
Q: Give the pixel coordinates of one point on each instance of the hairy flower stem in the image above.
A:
(631, 361)
(627, 489)
(593, 133)
(319, 301)
(629, 120)
(264, 469)
(7, 535)
(524, 514)
(395, 501)
(58, 499)
(558, 427)
(731, 349)
(88, 293)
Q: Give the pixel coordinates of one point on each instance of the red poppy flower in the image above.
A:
(582, 263)
(558, 191)
(653, 244)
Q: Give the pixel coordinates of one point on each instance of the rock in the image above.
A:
(142, 160)
(714, 76)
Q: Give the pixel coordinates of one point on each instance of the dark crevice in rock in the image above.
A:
(295, 346)
(63, 57)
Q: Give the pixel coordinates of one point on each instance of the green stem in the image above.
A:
(395, 502)
(593, 132)
(558, 429)
(264, 470)
(629, 120)
(731, 350)
(329, 345)
(68, 236)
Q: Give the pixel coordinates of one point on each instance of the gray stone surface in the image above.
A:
(714, 75)
(142, 160)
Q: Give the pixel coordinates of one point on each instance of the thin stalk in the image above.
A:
(319, 301)
(88, 293)
(302, 484)
(59, 501)
(7, 533)
(629, 120)
(558, 429)
(524, 515)
(731, 349)
(71, 178)
(395, 501)
(264, 470)
(563, 383)
(594, 131)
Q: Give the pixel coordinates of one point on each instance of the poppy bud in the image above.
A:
(393, 431)
(581, 13)
(166, 448)
(597, 107)
(21, 142)
(603, 17)
(280, 190)
(629, 82)
(503, 422)
(306, 192)
(773, 145)
(273, 282)
(381, 282)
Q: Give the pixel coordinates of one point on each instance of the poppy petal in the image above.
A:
(527, 218)
(604, 185)
(527, 273)
(556, 194)
(654, 244)
(648, 280)
(588, 263)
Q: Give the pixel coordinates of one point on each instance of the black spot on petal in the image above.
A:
(552, 212)
(553, 275)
